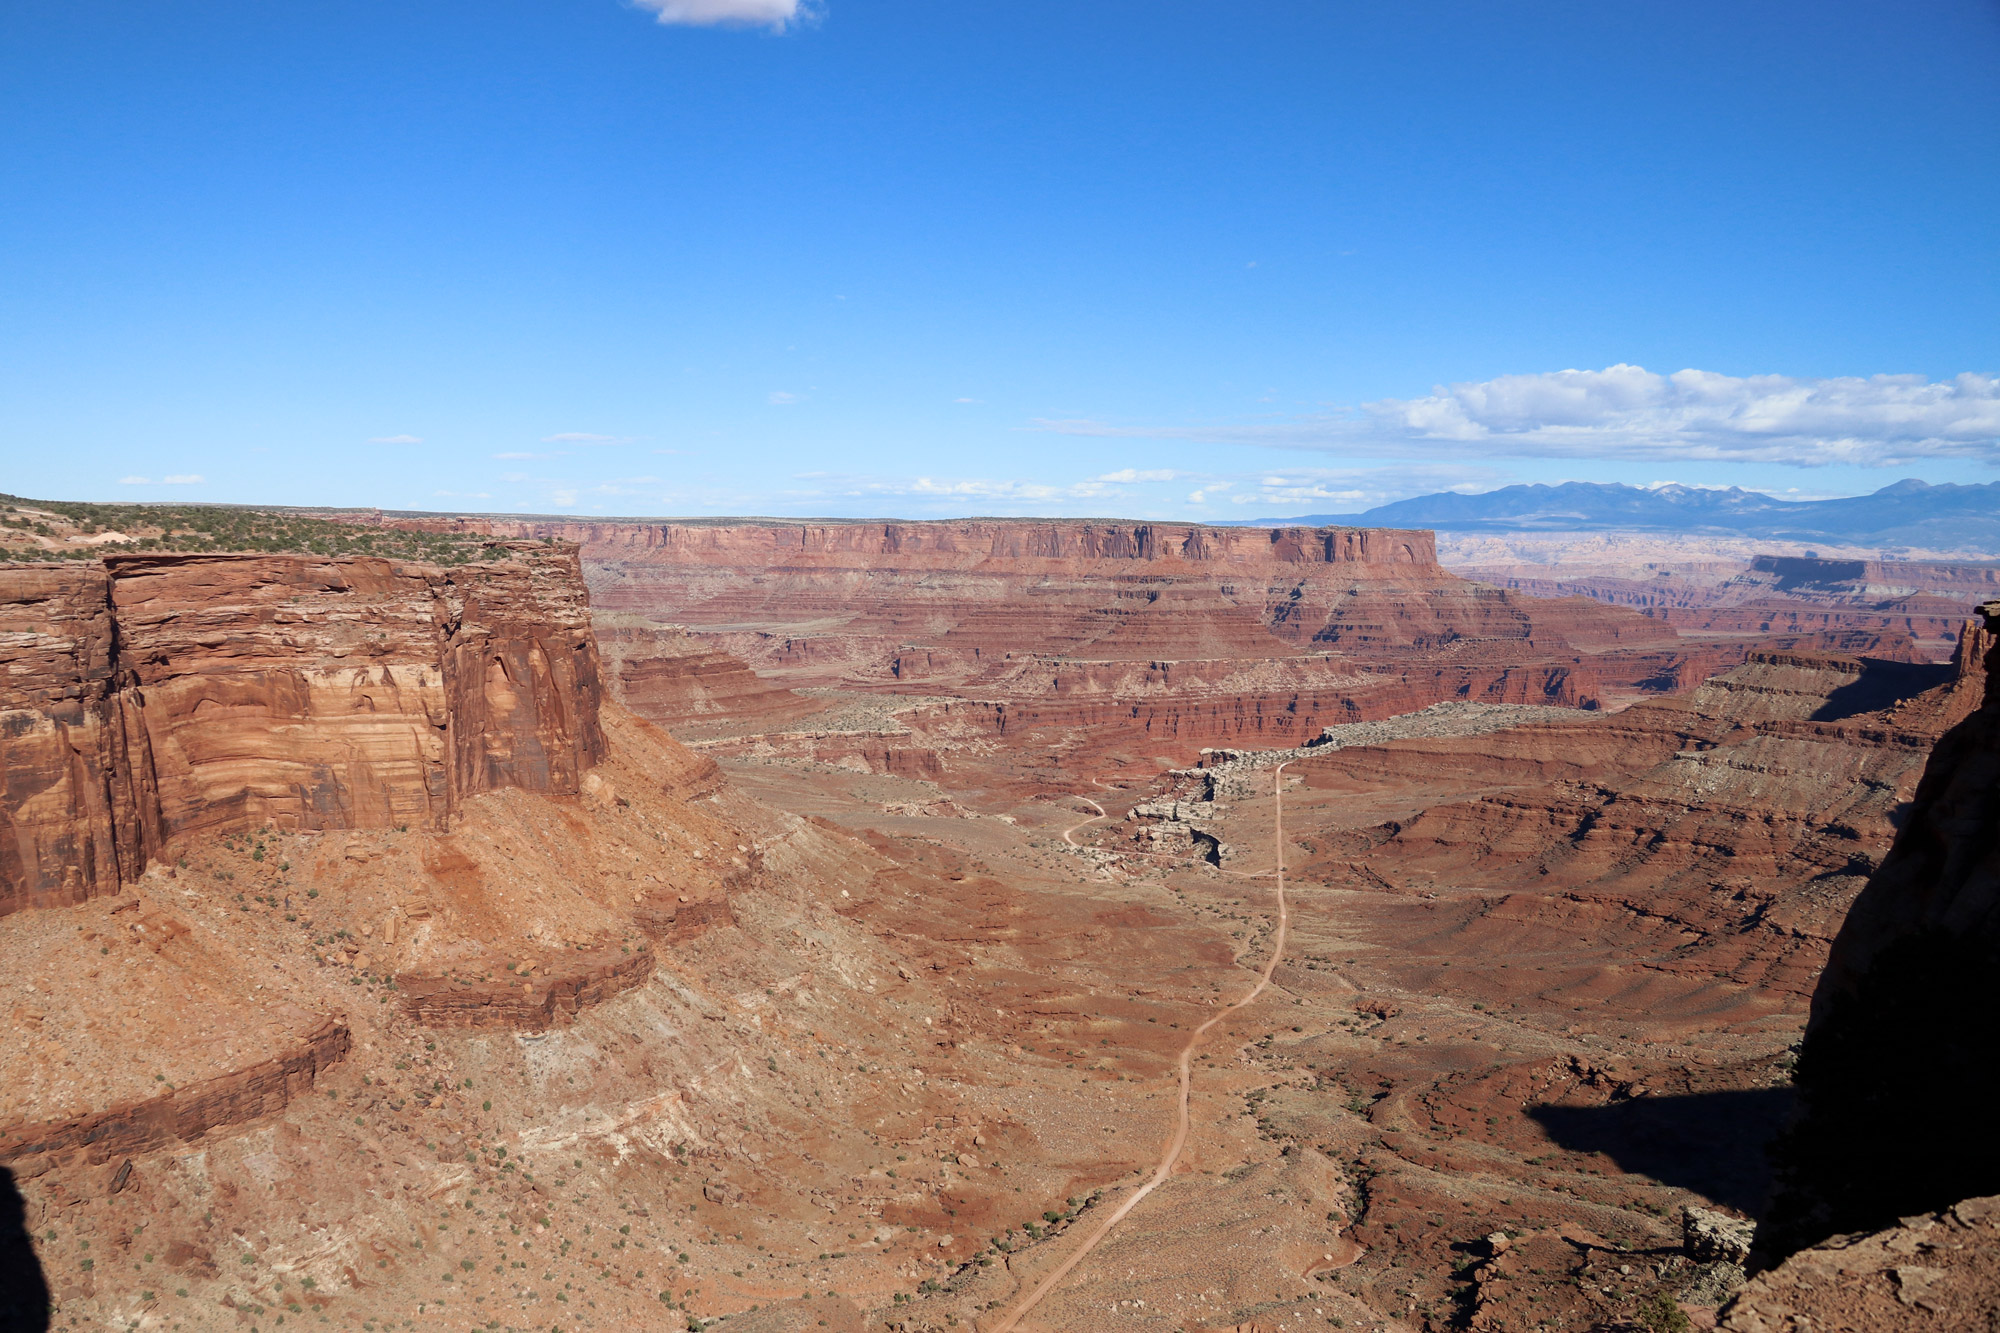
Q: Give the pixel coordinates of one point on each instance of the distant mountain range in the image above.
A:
(1908, 514)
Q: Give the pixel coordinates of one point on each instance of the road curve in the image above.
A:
(1182, 1123)
(1086, 823)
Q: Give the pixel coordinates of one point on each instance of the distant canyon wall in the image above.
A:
(963, 543)
(152, 696)
(1139, 638)
(826, 601)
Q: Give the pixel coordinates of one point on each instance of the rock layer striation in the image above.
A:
(152, 696)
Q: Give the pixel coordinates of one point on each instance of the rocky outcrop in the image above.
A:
(1900, 1070)
(180, 1115)
(154, 696)
(1936, 1270)
(537, 1004)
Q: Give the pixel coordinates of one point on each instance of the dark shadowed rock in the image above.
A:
(1900, 1071)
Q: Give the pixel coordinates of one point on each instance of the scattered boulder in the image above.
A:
(1711, 1237)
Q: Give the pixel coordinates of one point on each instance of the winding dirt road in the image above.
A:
(1086, 823)
(1183, 1121)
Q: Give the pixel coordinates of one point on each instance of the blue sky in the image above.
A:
(1220, 260)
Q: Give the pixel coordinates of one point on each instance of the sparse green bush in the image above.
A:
(1661, 1313)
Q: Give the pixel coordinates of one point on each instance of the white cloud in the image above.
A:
(585, 437)
(1128, 475)
(183, 479)
(1628, 412)
(397, 439)
(1255, 495)
(135, 481)
(978, 489)
(968, 400)
(1349, 490)
(780, 398)
(775, 14)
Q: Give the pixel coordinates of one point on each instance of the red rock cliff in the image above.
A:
(162, 694)
(971, 543)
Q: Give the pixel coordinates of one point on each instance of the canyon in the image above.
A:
(640, 925)
(1138, 642)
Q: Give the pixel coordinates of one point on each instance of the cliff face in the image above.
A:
(155, 696)
(66, 806)
(1107, 592)
(1900, 1070)
(972, 543)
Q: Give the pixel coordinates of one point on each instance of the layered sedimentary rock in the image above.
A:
(184, 1114)
(1145, 641)
(67, 807)
(1722, 832)
(1912, 609)
(537, 1005)
(1900, 1068)
(156, 696)
(1103, 591)
(668, 676)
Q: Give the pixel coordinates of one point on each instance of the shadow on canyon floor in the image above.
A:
(24, 1292)
(1713, 1143)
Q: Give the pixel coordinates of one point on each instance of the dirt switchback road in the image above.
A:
(1182, 1123)
(1086, 823)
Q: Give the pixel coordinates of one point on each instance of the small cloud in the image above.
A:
(585, 437)
(1628, 412)
(135, 481)
(562, 499)
(183, 479)
(774, 14)
(968, 400)
(1128, 475)
(780, 398)
(397, 439)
